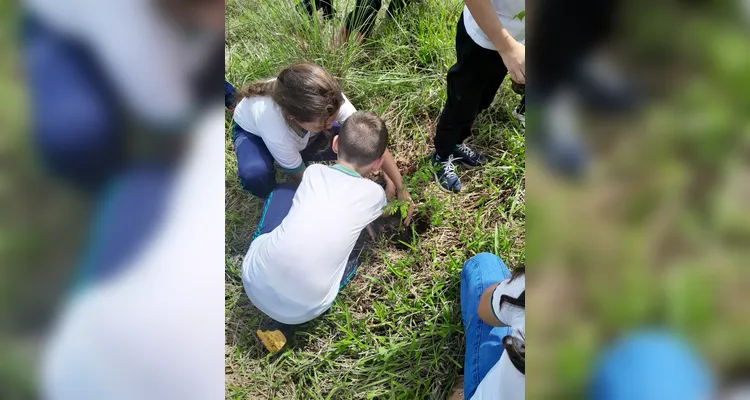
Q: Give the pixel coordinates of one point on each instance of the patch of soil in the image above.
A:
(399, 235)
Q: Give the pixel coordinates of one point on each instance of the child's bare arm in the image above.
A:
(297, 176)
(390, 169)
(485, 308)
(512, 52)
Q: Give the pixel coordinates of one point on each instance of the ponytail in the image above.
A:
(255, 89)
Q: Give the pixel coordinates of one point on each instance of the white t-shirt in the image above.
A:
(508, 13)
(154, 331)
(293, 273)
(262, 117)
(504, 381)
(150, 62)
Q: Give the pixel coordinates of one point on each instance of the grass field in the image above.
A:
(396, 331)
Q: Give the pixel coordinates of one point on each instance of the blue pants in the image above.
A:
(484, 343)
(275, 209)
(125, 219)
(75, 125)
(255, 164)
(229, 92)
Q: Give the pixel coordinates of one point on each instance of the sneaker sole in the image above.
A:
(440, 185)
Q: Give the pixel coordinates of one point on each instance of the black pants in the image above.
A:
(472, 84)
(362, 18)
(564, 33)
(311, 6)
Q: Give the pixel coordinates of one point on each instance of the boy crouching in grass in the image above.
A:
(303, 252)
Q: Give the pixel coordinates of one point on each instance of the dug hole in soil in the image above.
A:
(401, 236)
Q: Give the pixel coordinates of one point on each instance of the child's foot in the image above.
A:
(468, 156)
(275, 336)
(458, 389)
(446, 175)
(520, 116)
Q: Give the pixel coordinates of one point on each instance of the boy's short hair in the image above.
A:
(363, 138)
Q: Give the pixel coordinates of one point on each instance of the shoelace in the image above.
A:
(449, 168)
(467, 150)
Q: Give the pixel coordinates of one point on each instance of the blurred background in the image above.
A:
(638, 198)
(41, 223)
(100, 103)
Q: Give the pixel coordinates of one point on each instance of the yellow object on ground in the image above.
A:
(273, 341)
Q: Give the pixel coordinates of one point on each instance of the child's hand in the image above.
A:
(390, 188)
(405, 197)
(514, 58)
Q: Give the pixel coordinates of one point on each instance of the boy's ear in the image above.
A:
(377, 164)
(335, 144)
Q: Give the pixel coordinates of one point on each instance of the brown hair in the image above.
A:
(363, 138)
(304, 91)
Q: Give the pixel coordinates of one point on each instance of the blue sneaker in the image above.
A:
(468, 156)
(446, 175)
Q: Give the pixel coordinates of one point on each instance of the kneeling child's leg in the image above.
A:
(484, 344)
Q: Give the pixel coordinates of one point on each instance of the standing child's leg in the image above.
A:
(311, 6)
(307, 7)
(484, 344)
(396, 7)
(254, 163)
(472, 84)
(327, 7)
(362, 18)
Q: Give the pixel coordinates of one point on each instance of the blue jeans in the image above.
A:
(276, 208)
(484, 343)
(255, 164)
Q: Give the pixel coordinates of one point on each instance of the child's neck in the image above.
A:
(360, 171)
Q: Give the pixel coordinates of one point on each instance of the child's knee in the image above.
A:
(80, 152)
(254, 172)
(257, 178)
(484, 261)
